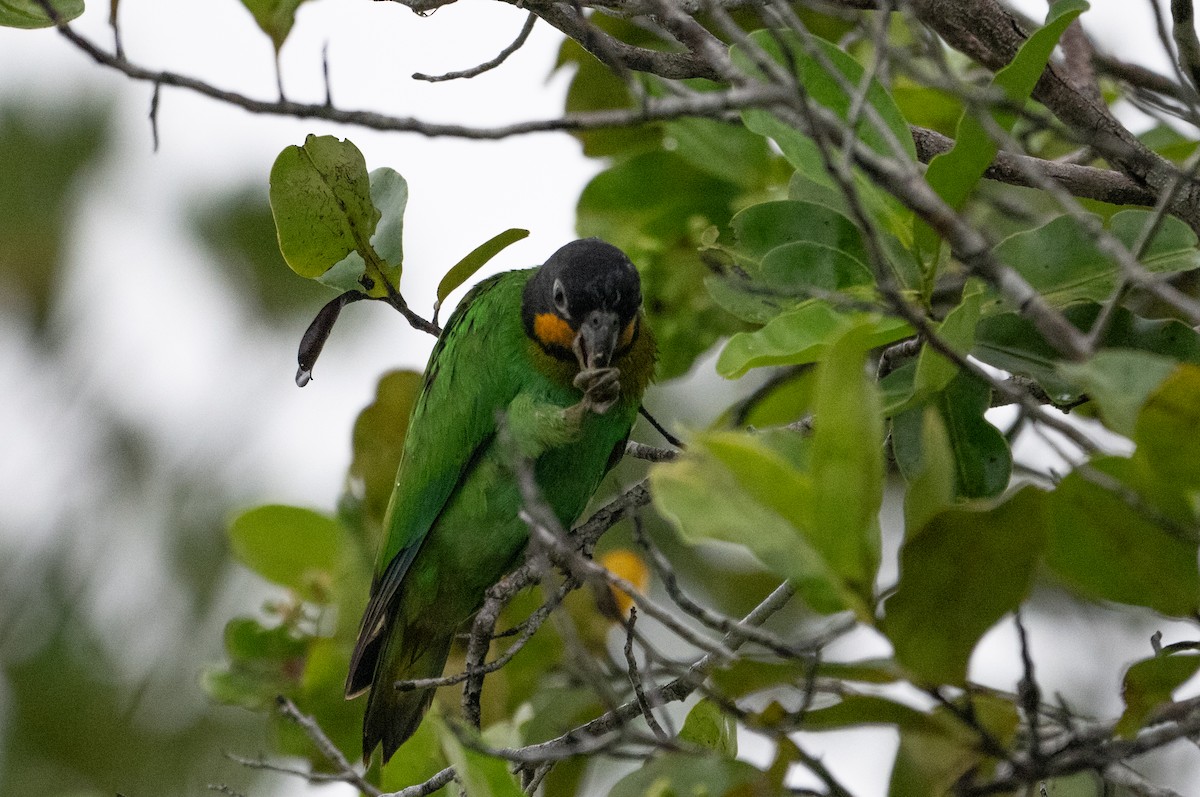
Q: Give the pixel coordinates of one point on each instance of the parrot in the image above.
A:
(561, 355)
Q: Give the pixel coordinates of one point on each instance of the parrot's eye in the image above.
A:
(560, 299)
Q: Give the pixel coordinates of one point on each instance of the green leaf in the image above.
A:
(957, 329)
(29, 14)
(378, 439)
(264, 662)
(475, 260)
(746, 676)
(1107, 549)
(955, 173)
(684, 775)
(1012, 343)
(726, 151)
(931, 760)
(1063, 262)
(1148, 684)
(827, 89)
(859, 710)
(847, 462)
(802, 335)
(708, 726)
(478, 774)
(761, 228)
(931, 479)
(275, 17)
(1119, 381)
(731, 487)
(981, 456)
(982, 459)
(321, 201)
(297, 548)
(247, 638)
(1167, 431)
(389, 195)
(959, 575)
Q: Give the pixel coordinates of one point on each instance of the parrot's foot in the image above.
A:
(601, 388)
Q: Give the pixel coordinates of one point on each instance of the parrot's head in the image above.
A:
(582, 304)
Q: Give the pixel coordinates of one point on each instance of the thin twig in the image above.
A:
(526, 29)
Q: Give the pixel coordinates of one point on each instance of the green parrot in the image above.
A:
(564, 353)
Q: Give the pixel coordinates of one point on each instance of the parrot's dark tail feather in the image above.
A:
(392, 715)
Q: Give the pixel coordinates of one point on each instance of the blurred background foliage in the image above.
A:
(89, 703)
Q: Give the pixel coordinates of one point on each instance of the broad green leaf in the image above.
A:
(924, 106)
(982, 461)
(957, 329)
(263, 663)
(786, 398)
(847, 462)
(731, 487)
(1119, 381)
(708, 726)
(1167, 431)
(955, 173)
(321, 201)
(827, 89)
(247, 638)
(746, 676)
(930, 761)
(478, 257)
(959, 575)
(378, 439)
(1012, 343)
(1063, 262)
(802, 335)
(724, 150)
(763, 227)
(275, 17)
(1106, 548)
(478, 774)
(931, 479)
(30, 13)
(389, 195)
(297, 548)
(1169, 142)
(235, 687)
(684, 775)
(808, 269)
(859, 710)
(1148, 684)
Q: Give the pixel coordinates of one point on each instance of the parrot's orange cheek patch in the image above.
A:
(553, 331)
(627, 334)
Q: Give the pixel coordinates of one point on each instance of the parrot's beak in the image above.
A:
(597, 339)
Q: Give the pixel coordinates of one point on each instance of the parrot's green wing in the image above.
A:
(468, 379)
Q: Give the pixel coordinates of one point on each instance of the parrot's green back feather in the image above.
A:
(452, 528)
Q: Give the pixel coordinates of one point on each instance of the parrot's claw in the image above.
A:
(601, 388)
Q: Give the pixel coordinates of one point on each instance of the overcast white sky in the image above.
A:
(155, 338)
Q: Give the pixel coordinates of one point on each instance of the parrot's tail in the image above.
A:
(393, 715)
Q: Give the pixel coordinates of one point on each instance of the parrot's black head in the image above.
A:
(582, 304)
